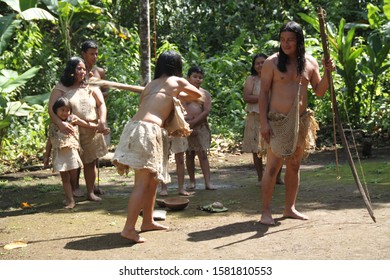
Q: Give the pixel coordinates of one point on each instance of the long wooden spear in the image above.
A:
(321, 18)
(104, 83)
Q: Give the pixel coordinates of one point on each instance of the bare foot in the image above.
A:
(294, 214)
(153, 226)
(163, 193)
(266, 219)
(183, 192)
(133, 236)
(93, 197)
(69, 205)
(210, 188)
(78, 192)
(192, 186)
(98, 191)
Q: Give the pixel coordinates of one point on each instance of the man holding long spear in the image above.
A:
(287, 125)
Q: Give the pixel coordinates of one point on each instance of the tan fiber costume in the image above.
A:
(175, 124)
(143, 145)
(200, 138)
(84, 106)
(307, 132)
(251, 142)
(65, 149)
(178, 145)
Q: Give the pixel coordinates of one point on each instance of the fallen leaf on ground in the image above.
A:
(15, 245)
(25, 205)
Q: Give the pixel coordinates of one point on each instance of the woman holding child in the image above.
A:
(87, 103)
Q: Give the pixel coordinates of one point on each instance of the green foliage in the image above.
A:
(25, 137)
(362, 64)
(73, 16)
(9, 107)
(123, 68)
(220, 36)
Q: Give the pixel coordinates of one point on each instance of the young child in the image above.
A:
(143, 145)
(200, 139)
(65, 148)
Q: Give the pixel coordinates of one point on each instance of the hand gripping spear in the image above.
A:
(321, 18)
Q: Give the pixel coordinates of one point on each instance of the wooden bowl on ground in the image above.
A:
(176, 203)
(160, 202)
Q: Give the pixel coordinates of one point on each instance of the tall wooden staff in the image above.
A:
(321, 18)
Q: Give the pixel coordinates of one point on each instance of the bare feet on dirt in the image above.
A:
(133, 236)
(191, 186)
(266, 219)
(294, 214)
(163, 193)
(69, 205)
(152, 226)
(183, 192)
(93, 197)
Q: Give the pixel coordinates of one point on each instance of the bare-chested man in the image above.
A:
(280, 78)
(90, 52)
(143, 145)
(200, 139)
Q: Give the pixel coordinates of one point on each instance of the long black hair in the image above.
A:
(68, 76)
(253, 71)
(168, 63)
(294, 27)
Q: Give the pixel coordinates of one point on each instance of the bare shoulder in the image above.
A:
(205, 92)
(59, 87)
(96, 91)
(270, 62)
(311, 62)
(272, 59)
(174, 80)
(250, 80)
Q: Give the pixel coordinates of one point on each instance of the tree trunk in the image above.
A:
(144, 33)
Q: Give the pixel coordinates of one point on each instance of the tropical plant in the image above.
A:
(73, 16)
(376, 57)
(9, 107)
(221, 36)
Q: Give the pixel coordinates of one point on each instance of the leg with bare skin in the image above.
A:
(96, 189)
(205, 166)
(136, 202)
(148, 223)
(163, 190)
(90, 177)
(179, 159)
(292, 186)
(190, 163)
(267, 186)
(258, 162)
(77, 192)
(66, 183)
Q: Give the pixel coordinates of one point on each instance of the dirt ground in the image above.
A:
(339, 227)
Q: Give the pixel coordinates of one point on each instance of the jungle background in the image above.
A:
(38, 36)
